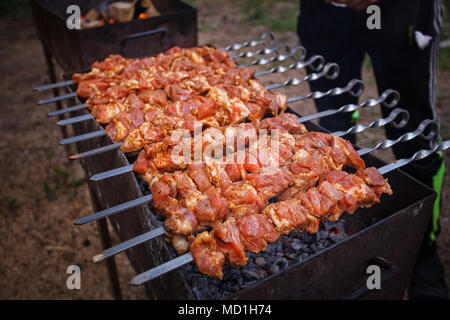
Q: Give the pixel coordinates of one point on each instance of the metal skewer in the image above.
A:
(187, 257)
(389, 98)
(58, 98)
(316, 63)
(54, 85)
(290, 53)
(83, 137)
(398, 117)
(96, 151)
(330, 71)
(251, 43)
(65, 110)
(116, 209)
(263, 51)
(355, 88)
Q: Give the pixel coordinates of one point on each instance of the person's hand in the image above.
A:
(354, 4)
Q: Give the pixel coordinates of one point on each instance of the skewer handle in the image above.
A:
(266, 38)
(279, 58)
(316, 63)
(423, 126)
(389, 98)
(400, 115)
(330, 71)
(419, 155)
(264, 51)
(355, 88)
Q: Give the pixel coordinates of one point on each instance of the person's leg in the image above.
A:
(401, 64)
(333, 33)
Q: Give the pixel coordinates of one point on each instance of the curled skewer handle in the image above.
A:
(419, 155)
(424, 125)
(331, 71)
(264, 51)
(398, 114)
(355, 88)
(389, 97)
(316, 63)
(266, 38)
(278, 58)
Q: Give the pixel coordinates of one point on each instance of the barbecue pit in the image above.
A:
(328, 271)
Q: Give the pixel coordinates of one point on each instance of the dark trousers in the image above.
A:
(341, 36)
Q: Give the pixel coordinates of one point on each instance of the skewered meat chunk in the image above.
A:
(208, 259)
(337, 192)
(229, 242)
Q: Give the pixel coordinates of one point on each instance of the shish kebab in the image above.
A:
(111, 68)
(274, 102)
(337, 192)
(258, 188)
(426, 125)
(389, 98)
(240, 214)
(266, 38)
(104, 110)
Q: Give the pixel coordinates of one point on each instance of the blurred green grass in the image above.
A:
(276, 15)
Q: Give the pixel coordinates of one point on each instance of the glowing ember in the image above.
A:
(143, 15)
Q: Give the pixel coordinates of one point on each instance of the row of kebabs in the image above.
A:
(144, 101)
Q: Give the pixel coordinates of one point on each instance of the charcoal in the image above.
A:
(291, 256)
(283, 263)
(274, 269)
(253, 274)
(337, 237)
(322, 235)
(309, 238)
(297, 246)
(260, 261)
